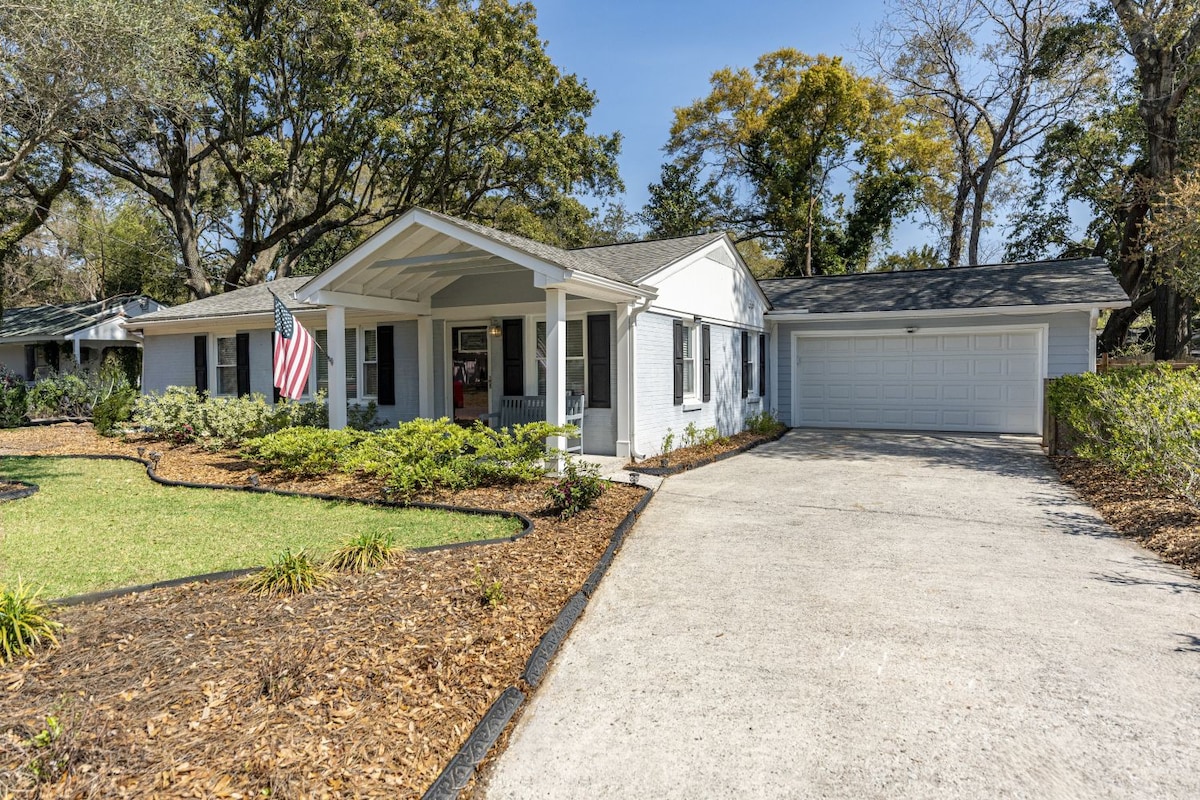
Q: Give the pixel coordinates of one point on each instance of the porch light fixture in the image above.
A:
(494, 329)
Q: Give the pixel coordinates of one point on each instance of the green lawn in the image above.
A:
(102, 524)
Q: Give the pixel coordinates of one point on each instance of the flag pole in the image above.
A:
(328, 357)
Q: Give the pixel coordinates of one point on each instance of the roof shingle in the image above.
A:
(248, 300)
(55, 321)
(1038, 283)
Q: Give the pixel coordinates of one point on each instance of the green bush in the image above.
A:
(364, 553)
(763, 424)
(110, 413)
(302, 452)
(25, 622)
(1143, 421)
(289, 573)
(184, 416)
(576, 490)
(438, 454)
(62, 395)
(13, 403)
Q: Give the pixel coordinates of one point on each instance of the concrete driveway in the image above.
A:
(852, 615)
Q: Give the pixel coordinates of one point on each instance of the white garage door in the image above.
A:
(949, 382)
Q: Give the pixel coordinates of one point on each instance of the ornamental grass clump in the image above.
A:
(26, 622)
(364, 553)
(289, 573)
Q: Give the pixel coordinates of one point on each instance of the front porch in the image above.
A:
(485, 326)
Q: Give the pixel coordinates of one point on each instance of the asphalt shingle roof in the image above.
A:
(249, 300)
(53, 321)
(634, 261)
(1036, 283)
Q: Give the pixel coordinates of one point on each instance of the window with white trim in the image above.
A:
(322, 370)
(227, 365)
(370, 363)
(576, 363)
(690, 389)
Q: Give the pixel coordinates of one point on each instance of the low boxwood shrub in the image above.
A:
(26, 622)
(62, 395)
(12, 398)
(1143, 421)
(763, 423)
(576, 490)
(302, 452)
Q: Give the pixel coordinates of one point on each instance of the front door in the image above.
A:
(471, 376)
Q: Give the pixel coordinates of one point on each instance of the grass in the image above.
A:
(102, 524)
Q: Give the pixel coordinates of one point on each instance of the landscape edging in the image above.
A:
(16, 494)
(457, 774)
(664, 472)
(108, 594)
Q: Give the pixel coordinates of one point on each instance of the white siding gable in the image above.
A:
(713, 284)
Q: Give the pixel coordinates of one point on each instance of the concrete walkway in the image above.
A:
(853, 615)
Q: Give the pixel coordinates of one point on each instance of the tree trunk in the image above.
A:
(1172, 323)
(1117, 328)
(957, 217)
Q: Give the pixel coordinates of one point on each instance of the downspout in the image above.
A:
(633, 315)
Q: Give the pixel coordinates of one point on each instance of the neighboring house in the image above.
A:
(434, 316)
(36, 341)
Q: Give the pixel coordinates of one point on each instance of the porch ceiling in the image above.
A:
(403, 266)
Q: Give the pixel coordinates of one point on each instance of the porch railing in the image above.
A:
(523, 409)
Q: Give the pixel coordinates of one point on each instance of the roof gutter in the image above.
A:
(801, 315)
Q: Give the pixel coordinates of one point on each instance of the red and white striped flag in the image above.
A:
(293, 353)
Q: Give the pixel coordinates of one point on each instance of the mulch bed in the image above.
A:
(366, 689)
(1160, 522)
(686, 458)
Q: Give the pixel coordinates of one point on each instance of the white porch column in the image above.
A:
(335, 326)
(556, 366)
(623, 396)
(75, 343)
(425, 367)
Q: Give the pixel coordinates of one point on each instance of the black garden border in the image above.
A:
(663, 472)
(29, 490)
(92, 597)
(462, 766)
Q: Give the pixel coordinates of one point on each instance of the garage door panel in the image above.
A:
(987, 381)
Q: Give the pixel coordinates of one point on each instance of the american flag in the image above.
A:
(293, 353)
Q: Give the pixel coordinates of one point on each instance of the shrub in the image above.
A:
(13, 403)
(763, 423)
(437, 454)
(25, 622)
(62, 395)
(491, 592)
(364, 553)
(302, 452)
(1143, 421)
(114, 410)
(288, 573)
(363, 418)
(576, 490)
(182, 415)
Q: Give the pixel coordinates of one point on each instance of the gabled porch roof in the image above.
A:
(399, 269)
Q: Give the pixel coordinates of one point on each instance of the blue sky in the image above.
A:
(643, 59)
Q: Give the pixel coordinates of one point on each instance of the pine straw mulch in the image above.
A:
(1138, 509)
(685, 458)
(365, 689)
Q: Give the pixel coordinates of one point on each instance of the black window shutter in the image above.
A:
(678, 334)
(762, 365)
(52, 356)
(243, 364)
(513, 343)
(745, 364)
(30, 361)
(706, 365)
(201, 350)
(599, 362)
(386, 353)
